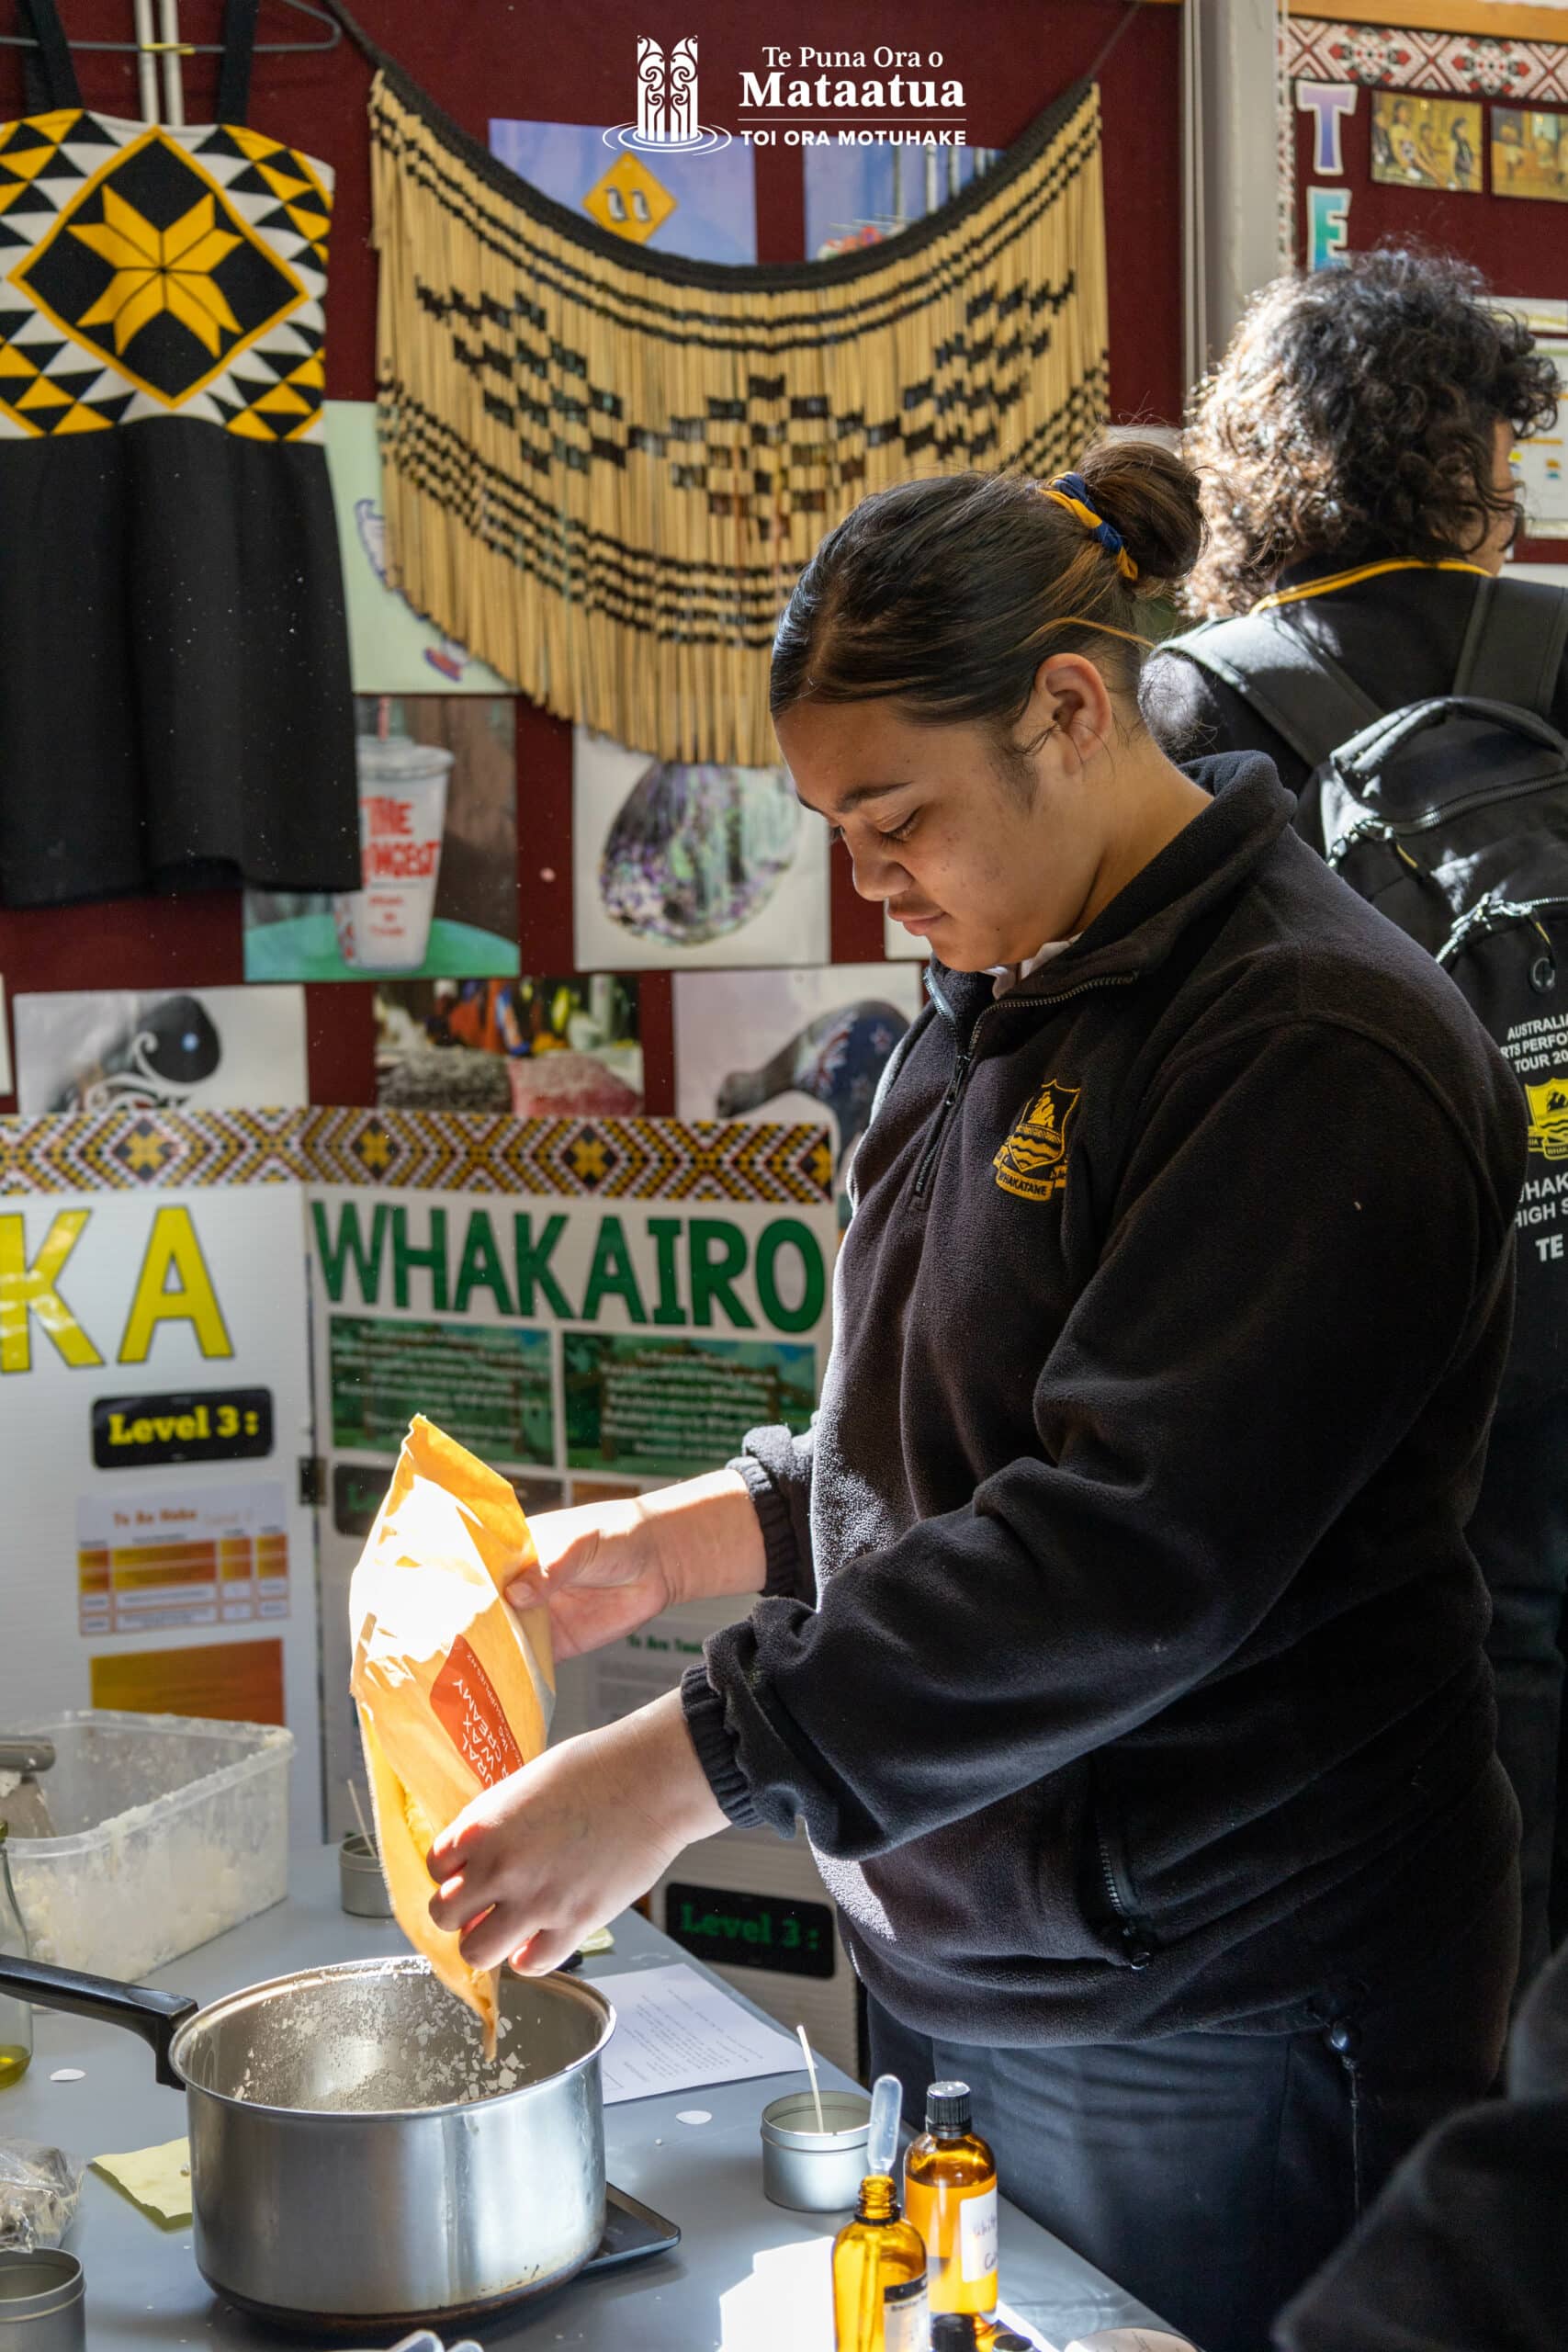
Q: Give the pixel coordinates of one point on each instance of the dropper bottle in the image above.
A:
(879, 2262)
(949, 2187)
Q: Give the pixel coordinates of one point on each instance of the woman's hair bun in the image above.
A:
(1146, 492)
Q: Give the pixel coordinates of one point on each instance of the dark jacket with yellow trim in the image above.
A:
(1398, 636)
(1120, 1646)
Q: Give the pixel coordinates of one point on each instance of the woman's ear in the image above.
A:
(1076, 696)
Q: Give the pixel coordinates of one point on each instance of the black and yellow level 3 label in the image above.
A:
(186, 1425)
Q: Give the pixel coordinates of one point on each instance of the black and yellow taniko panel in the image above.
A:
(145, 271)
(604, 466)
(1034, 1160)
(127, 1150)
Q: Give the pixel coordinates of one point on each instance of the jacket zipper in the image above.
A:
(1120, 1897)
(966, 1061)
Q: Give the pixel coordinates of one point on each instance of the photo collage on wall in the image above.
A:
(576, 1303)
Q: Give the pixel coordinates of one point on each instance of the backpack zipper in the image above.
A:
(1491, 913)
(966, 1061)
(1380, 828)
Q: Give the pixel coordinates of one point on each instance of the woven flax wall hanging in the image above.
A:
(603, 468)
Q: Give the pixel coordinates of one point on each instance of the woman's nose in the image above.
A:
(874, 874)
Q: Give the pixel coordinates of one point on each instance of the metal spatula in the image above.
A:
(22, 1756)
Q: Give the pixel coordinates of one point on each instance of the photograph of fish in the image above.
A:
(791, 1046)
(684, 867)
(91, 1049)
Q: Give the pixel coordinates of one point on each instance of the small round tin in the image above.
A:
(41, 2306)
(363, 1886)
(808, 2170)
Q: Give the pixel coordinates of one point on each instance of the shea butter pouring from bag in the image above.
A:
(1114, 1627)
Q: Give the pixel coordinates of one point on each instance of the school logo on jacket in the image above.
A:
(1549, 1117)
(1034, 1160)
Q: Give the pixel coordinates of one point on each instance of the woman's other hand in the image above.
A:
(555, 1851)
(605, 1568)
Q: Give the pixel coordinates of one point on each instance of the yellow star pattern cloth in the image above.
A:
(153, 271)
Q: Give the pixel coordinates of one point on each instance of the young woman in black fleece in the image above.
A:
(1117, 1638)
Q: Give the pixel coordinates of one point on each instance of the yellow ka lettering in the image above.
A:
(173, 1249)
(27, 1291)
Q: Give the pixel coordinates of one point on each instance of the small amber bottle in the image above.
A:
(950, 2193)
(879, 2277)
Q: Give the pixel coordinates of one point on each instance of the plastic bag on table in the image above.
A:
(39, 2189)
(453, 1687)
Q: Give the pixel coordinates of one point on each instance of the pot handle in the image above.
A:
(143, 2008)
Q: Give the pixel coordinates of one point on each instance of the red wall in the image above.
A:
(484, 58)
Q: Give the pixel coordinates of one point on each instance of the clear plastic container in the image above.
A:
(170, 1829)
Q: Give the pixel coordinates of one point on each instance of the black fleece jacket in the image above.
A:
(1120, 1646)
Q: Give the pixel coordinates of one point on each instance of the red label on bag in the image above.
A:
(471, 1712)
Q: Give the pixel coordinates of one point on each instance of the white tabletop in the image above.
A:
(145, 2294)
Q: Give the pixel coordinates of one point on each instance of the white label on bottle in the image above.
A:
(906, 2317)
(978, 2236)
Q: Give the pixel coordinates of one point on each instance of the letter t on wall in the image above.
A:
(1327, 103)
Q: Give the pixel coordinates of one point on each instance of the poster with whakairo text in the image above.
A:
(591, 1307)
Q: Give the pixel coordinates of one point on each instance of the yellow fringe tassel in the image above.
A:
(604, 469)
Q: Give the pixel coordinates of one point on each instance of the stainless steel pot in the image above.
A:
(354, 2160)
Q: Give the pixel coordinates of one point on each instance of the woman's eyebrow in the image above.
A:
(852, 799)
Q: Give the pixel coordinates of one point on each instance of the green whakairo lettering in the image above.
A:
(676, 1272)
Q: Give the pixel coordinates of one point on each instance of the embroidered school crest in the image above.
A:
(1034, 1160)
(1549, 1117)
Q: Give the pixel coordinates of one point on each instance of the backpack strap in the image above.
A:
(1300, 692)
(1513, 644)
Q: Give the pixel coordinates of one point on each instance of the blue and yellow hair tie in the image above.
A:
(1071, 491)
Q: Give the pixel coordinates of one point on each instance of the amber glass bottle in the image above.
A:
(950, 2194)
(879, 2277)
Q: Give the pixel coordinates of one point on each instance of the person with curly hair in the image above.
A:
(1353, 446)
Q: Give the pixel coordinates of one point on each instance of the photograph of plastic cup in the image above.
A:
(384, 926)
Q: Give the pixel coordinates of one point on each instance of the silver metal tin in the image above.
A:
(811, 2171)
(361, 1882)
(41, 2305)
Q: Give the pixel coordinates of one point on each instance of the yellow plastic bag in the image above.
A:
(453, 1686)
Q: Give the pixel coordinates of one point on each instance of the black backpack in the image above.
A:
(1450, 817)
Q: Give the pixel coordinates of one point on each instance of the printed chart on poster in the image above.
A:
(438, 844)
(699, 205)
(690, 868)
(156, 1375)
(590, 1308)
(543, 1045)
(393, 648)
(193, 1557)
(1541, 463)
(92, 1049)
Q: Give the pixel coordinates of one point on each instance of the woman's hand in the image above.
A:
(547, 1855)
(605, 1568)
(601, 1574)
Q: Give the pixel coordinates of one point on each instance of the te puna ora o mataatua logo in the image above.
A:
(800, 98)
